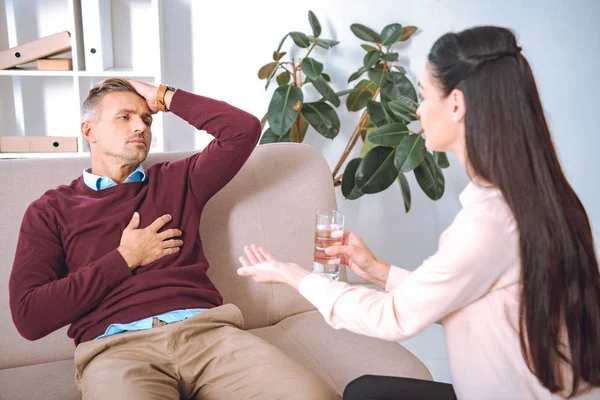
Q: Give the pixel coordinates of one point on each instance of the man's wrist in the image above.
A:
(164, 96)
(129, 259)
(169, 97)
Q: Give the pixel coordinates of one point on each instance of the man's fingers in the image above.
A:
(172, 243)
(134, 222)
(160, 222)
(169, 233)
(251, 256)
(170, 250)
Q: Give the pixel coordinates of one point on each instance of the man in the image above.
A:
(117, 255)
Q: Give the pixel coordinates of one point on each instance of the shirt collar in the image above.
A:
(97, 182)
(478, 190)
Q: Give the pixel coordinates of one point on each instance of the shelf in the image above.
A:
(42, 155)
(108, 73)
(116, 73)
(49, 103)
(33, 72)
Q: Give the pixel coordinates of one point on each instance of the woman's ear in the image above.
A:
(458, 105)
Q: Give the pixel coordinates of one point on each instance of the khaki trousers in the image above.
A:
(208, 356)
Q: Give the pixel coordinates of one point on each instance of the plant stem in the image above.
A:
(297, 74)
(338, 181)
(354, 138)
(314, 44)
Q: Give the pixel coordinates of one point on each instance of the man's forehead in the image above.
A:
(125, 100)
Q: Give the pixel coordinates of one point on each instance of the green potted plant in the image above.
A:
(390, 148)
(386, 97)
(288, 116)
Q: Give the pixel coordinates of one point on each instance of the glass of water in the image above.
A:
(329, 231)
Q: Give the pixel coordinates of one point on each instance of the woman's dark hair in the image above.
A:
(508, 144)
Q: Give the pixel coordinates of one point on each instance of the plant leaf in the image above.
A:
(326, 77)
(312, 68)
(360, 96)
(371, 58)
(283, 78)
(390, 57)
(410, 153)
(407, 32)
(368, 47)
(364, 33)
(430, 178)
(405, 189)
(344, 92)
(376, 75)
(270, 137)
(357, 74)
(367, 144)
(400, 69)
(441, 159)
(284, 108)
(395, 85)
(278, 56)
(339, 94)
(326, 91)
(391, 34)
(294, 133)
(403, 109)
(323, 118)
(376, 171)
(266, 70)
(324, 43)
(314, 23)
(377, 113)
(389, 135)
(270, 78)
(349, 188)
(281, 43)
(300, 39)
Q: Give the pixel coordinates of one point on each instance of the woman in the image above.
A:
(515, 280)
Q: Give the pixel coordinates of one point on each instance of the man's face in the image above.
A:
(121, 128)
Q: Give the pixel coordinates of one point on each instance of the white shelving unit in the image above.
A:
(48, 103)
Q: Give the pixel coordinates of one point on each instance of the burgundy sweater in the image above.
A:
(67, 269)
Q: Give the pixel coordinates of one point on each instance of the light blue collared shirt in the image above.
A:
(96, 182)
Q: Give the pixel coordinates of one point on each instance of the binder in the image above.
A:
(38, 144)
(44, 47)
(55, 64)
(97, 34)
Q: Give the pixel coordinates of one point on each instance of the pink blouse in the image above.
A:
(470, 286)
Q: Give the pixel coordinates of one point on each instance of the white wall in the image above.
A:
(215, 48)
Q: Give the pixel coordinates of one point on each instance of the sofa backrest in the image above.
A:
(271, 201)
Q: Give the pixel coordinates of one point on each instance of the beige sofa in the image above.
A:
(272, 201)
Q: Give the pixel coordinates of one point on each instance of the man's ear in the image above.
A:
(87, 132)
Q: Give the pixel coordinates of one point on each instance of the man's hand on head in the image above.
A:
(148, 92)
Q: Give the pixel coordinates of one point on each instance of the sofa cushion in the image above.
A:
(339, 356)
(48, 381)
